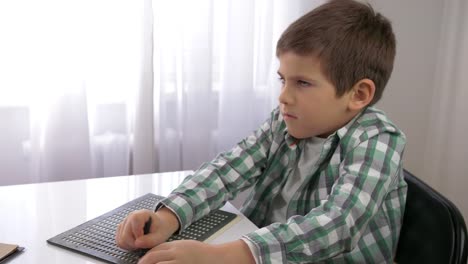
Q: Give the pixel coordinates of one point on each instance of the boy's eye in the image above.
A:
(303, 83)
(281, 79)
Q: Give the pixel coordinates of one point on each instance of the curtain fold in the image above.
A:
(60, 140)
(143, 152)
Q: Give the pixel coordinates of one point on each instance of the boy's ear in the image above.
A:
(361, 94)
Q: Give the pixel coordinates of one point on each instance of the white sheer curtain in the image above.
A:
(214, 78)
(69, 75)
(215, 73)
(116, 87)
(447, 147)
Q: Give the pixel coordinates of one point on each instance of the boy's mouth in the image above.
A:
(289, 116)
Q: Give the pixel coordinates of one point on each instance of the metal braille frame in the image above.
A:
(96, 238)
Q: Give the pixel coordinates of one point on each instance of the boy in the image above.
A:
(326, 167)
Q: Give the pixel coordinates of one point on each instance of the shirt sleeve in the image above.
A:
(253, 250)
(223, 178)
(367, 174)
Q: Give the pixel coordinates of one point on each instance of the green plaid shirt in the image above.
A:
(349, 210)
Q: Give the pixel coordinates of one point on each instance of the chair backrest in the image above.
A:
(433, 229)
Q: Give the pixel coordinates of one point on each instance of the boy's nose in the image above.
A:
(286, 96)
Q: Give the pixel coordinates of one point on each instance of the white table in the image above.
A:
(32, 213)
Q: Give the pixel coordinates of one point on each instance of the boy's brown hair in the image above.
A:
(351, 41)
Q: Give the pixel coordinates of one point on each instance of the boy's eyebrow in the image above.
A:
(297, 77)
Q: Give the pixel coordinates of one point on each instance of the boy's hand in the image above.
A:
(130, 234)
(181, 251)
(194, 252)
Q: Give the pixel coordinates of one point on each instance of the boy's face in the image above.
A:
(308, 101)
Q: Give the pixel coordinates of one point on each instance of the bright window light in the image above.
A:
(54, 47)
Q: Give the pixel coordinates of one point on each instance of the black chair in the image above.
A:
(433, 229)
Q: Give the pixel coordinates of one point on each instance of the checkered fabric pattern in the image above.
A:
(349, 210)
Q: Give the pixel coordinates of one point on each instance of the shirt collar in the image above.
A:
(290, 140)
(342, 131)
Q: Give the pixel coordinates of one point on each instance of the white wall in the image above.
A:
(407, 98)
(416, 94)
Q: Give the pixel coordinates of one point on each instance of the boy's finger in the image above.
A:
(151, 240)
(119, 233)
(126, 237)
(162, 246)
(157, 255)
(136, 226)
